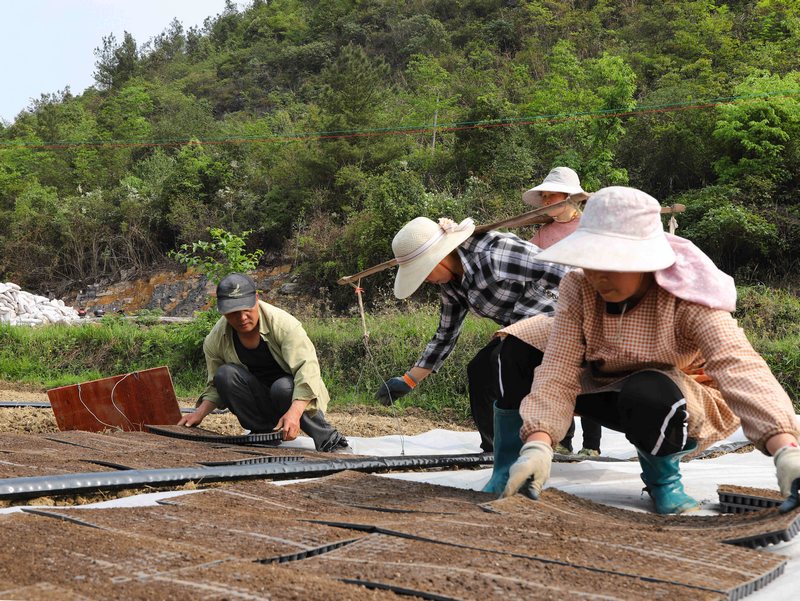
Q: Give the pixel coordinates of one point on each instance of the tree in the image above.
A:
(430, 98)
(759, 132)
(224, 254)
(355, 87)
(116, 63)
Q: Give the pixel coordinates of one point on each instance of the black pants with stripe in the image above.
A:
(649, 409)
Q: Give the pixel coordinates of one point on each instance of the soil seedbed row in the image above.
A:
(72, 452)
(363, 490)
(252, 536)
(663, 559)
(104, 564)
(168, 551)
(752, 529)
(470, 574)
(310, 498)
(653, 555)
(561, 536)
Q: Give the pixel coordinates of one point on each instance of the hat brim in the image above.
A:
(411, 275)
(229, 305)
(603, 252)
(533, 197)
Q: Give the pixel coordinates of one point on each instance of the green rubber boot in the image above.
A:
(507, 443)
(662, 477)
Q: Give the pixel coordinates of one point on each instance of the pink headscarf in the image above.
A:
(694, 277)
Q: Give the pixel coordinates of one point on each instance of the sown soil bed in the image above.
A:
(258, 540)
(77, 452)
(331, 537)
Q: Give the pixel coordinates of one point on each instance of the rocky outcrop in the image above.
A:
(173, 294)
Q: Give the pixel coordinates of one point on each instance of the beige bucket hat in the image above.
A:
(560, 179)
(620, 230)
(420, 245)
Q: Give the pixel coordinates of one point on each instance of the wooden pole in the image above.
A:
(529, 218)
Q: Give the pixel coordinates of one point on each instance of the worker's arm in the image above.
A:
(194, 418)
(289, 422)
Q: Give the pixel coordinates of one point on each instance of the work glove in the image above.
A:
(395, 388)
(531, 470)
(787, 464)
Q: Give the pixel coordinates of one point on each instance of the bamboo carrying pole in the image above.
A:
(528, 218)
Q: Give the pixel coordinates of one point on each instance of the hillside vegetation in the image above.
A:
(324, 125)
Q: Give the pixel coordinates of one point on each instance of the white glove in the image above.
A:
(787, 463)
(531, 470)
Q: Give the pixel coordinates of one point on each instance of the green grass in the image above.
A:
(60, 355)
(353, 371)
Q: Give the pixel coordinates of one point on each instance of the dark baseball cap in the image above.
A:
(236, 292)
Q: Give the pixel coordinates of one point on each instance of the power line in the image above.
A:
(412, 129)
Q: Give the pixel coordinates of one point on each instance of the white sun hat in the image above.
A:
(420, 245)
(620, 230)
(560, 179)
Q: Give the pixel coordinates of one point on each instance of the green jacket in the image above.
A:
(288, 343)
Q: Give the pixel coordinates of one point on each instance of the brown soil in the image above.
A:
(318, 539)
(323, 538)
(352, 421)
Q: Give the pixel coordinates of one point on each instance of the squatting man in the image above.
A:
(264, 368)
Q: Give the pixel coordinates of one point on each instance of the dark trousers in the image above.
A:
(649, 409)
(259, 405)
(591, 434)
(483, 391)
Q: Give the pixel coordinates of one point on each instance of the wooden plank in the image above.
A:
(124, 402)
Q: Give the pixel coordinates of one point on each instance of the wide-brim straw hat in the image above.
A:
(420, 245)
(560, 179)
(620, 230)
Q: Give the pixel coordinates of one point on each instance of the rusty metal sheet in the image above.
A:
(124, 402)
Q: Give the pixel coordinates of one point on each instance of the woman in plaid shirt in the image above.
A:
(643, 342)
(494, 275)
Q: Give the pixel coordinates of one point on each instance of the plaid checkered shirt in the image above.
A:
(502, 281)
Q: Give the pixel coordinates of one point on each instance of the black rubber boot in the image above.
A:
(326, 438)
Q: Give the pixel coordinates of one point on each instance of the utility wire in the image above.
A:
(411, 129)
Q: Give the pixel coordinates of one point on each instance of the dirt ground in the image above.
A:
(378, 538)
(354, 421)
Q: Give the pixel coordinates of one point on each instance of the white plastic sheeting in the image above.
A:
(19, 308)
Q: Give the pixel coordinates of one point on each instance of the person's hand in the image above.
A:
(531, 470)
(787, 464)
(289, 422)
(193, 419)
(395, 388)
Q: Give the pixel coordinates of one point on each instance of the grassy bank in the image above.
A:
(58, 355)
(65, 354)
